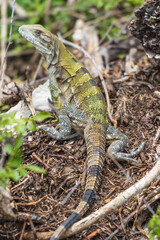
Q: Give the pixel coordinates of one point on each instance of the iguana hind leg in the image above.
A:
(118, 142)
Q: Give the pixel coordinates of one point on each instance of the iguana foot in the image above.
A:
(118, 142)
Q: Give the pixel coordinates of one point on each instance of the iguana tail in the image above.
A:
(95, 141)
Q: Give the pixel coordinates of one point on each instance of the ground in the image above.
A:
(136, 107)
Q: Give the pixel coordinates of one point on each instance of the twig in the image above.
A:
(60, 186)
(3, 154)
(115, 203)
(19, 184)
(9, 43)
(31, 203)
(47, 8)
(37, 70)
(153, 193)
(23, 229)
(18, 9)
(70, 193)
(99, 73)
(143, 83)
(33, 229)
(121, 79)
(3, 31)
(156, 137)
(97, 20)
(39, 160)
(20, 53)
(93, 234)
(106, 33)
(149, 208)
(26, 97)
(152, 200)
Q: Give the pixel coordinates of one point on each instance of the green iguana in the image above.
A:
(82, 107)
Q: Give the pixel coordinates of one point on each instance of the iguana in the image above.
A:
(83, 107)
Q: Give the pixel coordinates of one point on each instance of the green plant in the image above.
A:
(12, 132)
(154, 226)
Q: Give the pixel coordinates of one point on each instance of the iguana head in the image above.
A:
(48, 46)
(43, 40)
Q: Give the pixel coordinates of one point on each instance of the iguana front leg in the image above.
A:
(68, 116)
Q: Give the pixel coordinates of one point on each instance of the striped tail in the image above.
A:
(95, 142)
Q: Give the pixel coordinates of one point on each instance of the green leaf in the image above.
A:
(158, 211)
(152, 236)
(9, 149)
(35, 168)
(5, 107)
(158, 221)
(3, 173)
(31, 125)
(157, 230)
(14, 174)
(22, 171)
(152, 222)
(14, 161)
(8, 115)
(18, 142)
(4, 182)
(41, 116)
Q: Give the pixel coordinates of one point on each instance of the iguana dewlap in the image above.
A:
(83, 108)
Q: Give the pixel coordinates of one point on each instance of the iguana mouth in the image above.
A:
(28, 37)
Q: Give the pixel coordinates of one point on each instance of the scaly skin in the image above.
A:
(81, 105)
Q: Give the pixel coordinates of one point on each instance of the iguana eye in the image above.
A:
(38, 32)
